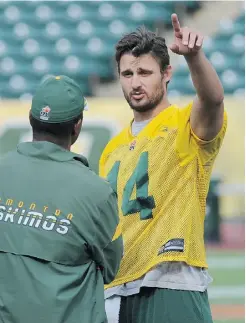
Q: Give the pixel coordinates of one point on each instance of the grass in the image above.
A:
(228, 270)
(227, 277)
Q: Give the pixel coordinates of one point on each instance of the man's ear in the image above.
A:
(77, 127)
(167, 74)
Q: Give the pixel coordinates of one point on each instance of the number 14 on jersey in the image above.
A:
(143, 204)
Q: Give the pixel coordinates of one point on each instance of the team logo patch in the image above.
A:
(173, 245)
(132, 145)
(164, 129)
(44, 113)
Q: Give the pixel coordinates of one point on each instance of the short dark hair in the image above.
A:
(143, 41)
(60, 130)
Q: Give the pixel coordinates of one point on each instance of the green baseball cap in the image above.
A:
(58, 99)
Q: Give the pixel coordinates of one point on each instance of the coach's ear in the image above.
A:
(78, 126)
(76, 130)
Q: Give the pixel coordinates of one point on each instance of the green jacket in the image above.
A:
(60, 241)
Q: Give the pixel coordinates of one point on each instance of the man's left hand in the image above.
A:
(186, 41)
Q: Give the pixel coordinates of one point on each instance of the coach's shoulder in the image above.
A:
(96, 186)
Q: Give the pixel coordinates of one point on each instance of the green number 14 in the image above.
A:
(144, 204)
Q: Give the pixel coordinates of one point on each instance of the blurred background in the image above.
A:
(77, 38)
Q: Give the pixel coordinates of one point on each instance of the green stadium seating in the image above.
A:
(181, 84)
(231, 81)
(226, 52)
(77, 38)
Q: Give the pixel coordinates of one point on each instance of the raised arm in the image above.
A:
(208, 108)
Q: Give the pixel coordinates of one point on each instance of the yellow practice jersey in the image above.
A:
(162, 178)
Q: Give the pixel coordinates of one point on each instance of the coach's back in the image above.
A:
(60, 240)
(56, 219)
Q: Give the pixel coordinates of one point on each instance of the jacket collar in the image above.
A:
(48, 151)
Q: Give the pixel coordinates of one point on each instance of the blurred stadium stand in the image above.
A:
(39, 38)
(226, 52)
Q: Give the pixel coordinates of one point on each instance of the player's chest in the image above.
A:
(141, 159)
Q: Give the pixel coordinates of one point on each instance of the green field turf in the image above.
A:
(228, 271)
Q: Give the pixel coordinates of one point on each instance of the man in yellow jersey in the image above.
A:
(160, 167)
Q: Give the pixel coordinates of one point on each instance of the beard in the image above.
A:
(149, 102)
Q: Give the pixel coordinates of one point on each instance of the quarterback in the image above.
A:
(160, 166)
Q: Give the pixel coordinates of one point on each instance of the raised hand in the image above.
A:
(186, 41)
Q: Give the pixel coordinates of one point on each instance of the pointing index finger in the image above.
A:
(175, 23)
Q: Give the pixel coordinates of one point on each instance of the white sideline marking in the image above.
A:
(226, 292)
(226, 262)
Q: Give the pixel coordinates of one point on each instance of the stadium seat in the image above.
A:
(98, 48)
(17, 83)
(7, 66)
(85, 29)
(63, 47)
(229, 27)
(226, 52)
(3, 48)
(241, 64)
(182, 69)
(77, 38)
(12, 14)
(181, 84)
(53, 30)
(237, 43)
(75, 12)
(31, 47)
(21, 30)
(221, 61)
(41, 65)
(107, 11)
(232, 81)
(44, 13)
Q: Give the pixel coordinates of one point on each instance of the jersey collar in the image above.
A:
(48, 151)
(153, 124)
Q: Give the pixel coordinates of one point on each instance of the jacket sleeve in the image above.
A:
(107, 249)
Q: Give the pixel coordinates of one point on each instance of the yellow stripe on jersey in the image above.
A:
(118, 232)
(162, 183)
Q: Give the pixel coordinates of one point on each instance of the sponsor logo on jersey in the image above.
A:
(164, 129)
(132, 145)
(173, 245)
